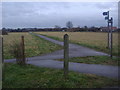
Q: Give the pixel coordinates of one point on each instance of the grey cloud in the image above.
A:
(14, 9)
(105, 5)
(49, 14)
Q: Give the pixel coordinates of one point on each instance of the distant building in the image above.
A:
(105, 29)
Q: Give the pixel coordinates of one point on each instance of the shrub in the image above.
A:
(16, 51)
(4, 32)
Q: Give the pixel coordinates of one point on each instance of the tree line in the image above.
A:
(69, 28)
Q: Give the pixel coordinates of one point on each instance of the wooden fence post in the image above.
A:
(3, 75)
(23, 50)
(66, 55)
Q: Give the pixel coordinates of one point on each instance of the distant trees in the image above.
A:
(78, 26)
(85, 28)
(58, 27)
(94, 29)
(69, 28)
(4, 32)
(69, 24)
(3, 28)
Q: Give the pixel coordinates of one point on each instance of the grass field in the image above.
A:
(34, 45)
(30, 76)
(35, 77)
(95, 40)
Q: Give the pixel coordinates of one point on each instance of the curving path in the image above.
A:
(47, 60)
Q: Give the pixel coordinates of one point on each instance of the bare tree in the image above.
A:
(69, 24)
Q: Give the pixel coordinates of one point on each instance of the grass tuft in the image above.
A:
(104, 60)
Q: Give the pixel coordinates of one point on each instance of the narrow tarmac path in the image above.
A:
(74, 50)
(47, 60)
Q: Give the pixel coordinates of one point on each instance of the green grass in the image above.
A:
(53, 37)
(115, 50)
(1, 85)
(104, 60)
(30, 76)
(34, 45)
(43, 47)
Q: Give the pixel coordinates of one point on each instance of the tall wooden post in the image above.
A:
(66, 55)
(111, 37)
(3, 75)
(23, 50)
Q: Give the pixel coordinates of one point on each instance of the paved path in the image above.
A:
(103, 70)
(47, 60)
(74, 50)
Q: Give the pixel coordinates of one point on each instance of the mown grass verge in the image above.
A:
(34, 45)
(43, 47)
(30, 76)
(104, 60)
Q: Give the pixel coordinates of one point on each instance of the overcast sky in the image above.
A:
(49, 14)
